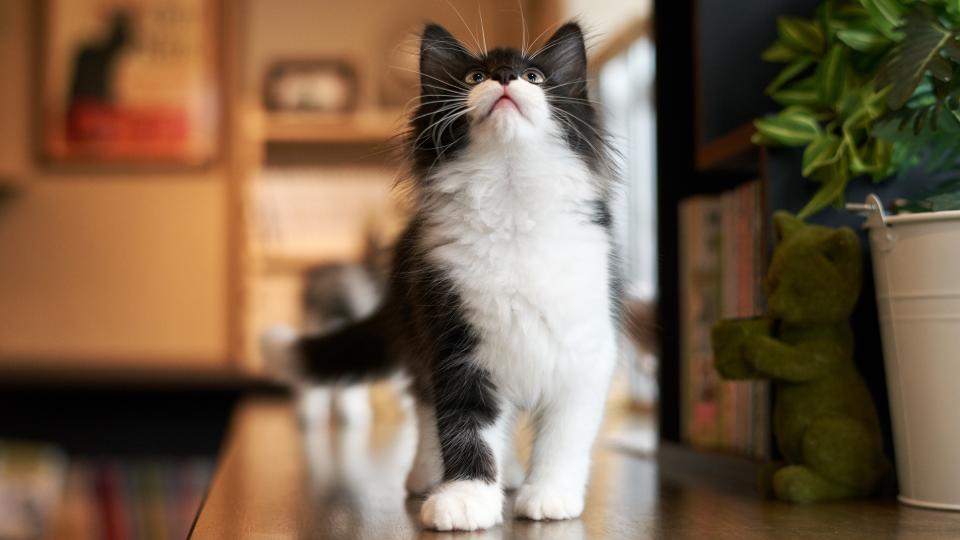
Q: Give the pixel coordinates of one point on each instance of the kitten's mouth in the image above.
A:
(504, 102)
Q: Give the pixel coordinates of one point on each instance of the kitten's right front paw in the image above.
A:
(541, 502)
(464, 505)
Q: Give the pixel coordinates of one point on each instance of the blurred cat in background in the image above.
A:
(335, 295)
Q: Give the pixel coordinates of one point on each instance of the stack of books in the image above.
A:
(143, 498)
(45, 494)
(31, 484)
(721, 276)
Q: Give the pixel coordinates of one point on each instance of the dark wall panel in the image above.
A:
(731, 75)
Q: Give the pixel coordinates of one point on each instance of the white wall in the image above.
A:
(602, 19)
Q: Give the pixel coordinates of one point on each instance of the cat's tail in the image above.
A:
(354, 352)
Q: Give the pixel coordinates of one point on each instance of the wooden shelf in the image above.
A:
(293, 264)
(727, 151)
(366, 126)
(296, 261)
(19, 372)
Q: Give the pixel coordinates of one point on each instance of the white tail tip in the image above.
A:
(276, 346)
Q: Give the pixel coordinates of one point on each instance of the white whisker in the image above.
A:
(465, 25)
(440, 110)
(523, 29)
(547, 47)
(482, 31)
(446, 84)
(541, 34)
(597, 133)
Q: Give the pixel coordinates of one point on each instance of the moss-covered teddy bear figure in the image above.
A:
(824, 419)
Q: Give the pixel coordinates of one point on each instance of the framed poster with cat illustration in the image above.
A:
(128, 83)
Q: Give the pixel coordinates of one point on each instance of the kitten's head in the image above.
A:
(503, 96)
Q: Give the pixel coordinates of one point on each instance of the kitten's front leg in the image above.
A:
(560, 465)
(427, 469)
(471, 429)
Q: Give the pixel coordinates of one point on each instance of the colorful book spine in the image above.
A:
(721, 266)
(699, 272)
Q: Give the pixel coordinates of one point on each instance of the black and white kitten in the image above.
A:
(503, 295)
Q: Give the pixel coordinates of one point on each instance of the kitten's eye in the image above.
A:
(534, 76)
(475, 77)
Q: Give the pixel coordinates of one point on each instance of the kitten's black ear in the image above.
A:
(441, 55)
(565, 54)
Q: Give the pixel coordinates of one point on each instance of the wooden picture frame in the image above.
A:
(128, 84)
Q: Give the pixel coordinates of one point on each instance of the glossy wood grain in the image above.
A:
(351, 487)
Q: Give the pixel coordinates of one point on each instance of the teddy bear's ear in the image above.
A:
(785, 224)
(841, 246)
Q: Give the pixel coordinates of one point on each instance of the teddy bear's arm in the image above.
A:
(794, 363)
(730, 339)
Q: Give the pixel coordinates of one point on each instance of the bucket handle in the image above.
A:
(872, 208)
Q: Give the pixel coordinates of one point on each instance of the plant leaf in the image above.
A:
(952, 50)
(862, 39)
(860, 108)
(881, 153)
(849, 10)
(886, 16)
(792, 127)
(936, 150)
(801, 33)
(857, 166)
(786, 74)
(780, 52)
(891, 10)
(831, 191)
(802, 93)
(825, 150)
(941, 69)
(919, 52)
(830, 74)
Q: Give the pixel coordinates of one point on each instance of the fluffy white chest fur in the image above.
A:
(513, 230)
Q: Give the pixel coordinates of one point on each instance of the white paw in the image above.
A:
(464, 505)
(540, 502)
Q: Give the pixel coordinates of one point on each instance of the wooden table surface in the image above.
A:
(351, 487)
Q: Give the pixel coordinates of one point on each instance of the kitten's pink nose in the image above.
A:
(504, 75)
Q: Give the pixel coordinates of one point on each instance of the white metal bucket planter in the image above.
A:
(916, 263)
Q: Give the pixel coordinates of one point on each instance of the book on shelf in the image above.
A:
(32, 476)
(721, 269)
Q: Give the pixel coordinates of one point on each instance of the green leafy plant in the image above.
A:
(869, 88)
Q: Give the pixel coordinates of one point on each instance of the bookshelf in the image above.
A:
(296, 165)
(710, 82)
(732, 150)
(359, 127)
